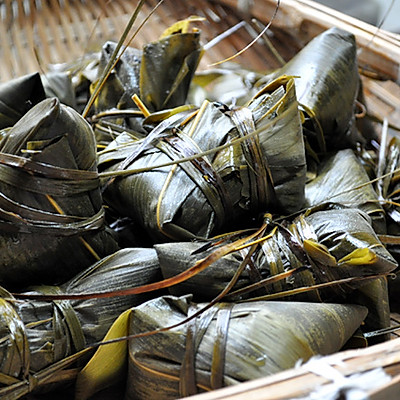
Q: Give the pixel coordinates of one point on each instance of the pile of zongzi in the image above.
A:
(37, 334)
(229, 203)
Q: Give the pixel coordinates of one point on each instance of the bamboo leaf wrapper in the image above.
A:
(261, 338)
(51, 214)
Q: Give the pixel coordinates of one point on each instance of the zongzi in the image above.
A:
(327, 83)
(206, 194)
(322, 246)
(18, 96)
(229, 343)
(36, 334)
(51, 212)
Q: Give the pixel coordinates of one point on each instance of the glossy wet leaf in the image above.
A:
(319, 253)
(167, 69)
(264, 171)
(50, 198)
(18, 96)
(335, 184)
(327, 87)
(359, 257)
(313, 246)
(261, 338)
(38, 334)
(59, 84)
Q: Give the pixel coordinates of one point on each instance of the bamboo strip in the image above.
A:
(17, 50)
(124, 6)
(56, 33)
(65, 24)
(30, 63)
(5, 52)
(9, 14)
(21, 17)
(80, 31)
(88, 22)
(102, 29)
(44, 50)
(108, 14)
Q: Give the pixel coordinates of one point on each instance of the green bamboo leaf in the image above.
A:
(263, 170)
(18, 96)
(309, 247)
(334, 184)
(37, 335)
(252, 347)
(327, 86)
(182, 26)
(167, 68)
(50, 197)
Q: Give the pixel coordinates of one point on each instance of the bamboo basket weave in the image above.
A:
(36, 34)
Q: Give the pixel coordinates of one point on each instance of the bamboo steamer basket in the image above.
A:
(36, 34)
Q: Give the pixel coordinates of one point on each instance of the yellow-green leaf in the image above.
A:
(359, 257)
(181, 26)
(108, 364)
(161, 115)
(319, 252)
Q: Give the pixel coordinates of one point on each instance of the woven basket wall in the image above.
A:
(37, 33)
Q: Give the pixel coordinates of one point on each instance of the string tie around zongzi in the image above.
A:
(219, 350)
(69, 315)
(44, 169)
(38, 177)
(18, 355)
(203, 173)
(17, 218)
(49, 180)
(196, 330)
(260, 179)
